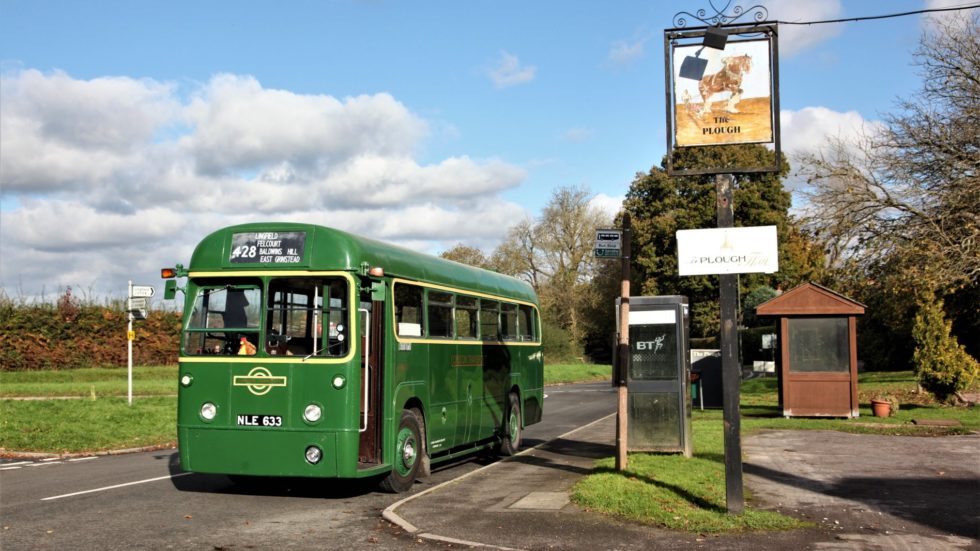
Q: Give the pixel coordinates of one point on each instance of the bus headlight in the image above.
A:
(208, 411)
(339, 381)
(186, 380)
(314, 455)
(312, 413)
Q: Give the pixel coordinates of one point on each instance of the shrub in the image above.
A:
(557, 343)
(69, 334)
(941, 363)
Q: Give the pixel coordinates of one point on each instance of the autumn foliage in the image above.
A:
(70, 334)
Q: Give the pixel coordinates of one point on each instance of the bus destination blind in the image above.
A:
(268, 247)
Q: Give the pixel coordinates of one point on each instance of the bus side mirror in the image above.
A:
(170, 289)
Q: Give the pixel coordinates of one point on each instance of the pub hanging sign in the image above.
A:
(731, 103)
(721, 92)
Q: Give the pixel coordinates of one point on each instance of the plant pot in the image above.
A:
(881, 408)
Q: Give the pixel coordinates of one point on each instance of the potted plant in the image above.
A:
(883, 405)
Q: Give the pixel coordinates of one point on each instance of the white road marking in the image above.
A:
(116, 486)
(16, 463)
(76, 459)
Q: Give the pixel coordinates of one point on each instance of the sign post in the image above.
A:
(613, 243)
(731, 371)
(129, 345)
(728, 96)
(623, 352)
(136, 304)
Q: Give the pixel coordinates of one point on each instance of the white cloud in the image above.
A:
(930, 19)
(241, 125)
(110, 179)
(807, 130)
(794, 39)
(607, 204)
(61, 133)
(624, 53)
(509, 72)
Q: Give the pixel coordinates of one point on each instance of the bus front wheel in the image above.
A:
(511, 441)
(409, 451)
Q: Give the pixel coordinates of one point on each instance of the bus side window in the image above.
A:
(467, 310)
(525, 323)
(408, 310)
(508, 321)
(490, 320)
(439, 307)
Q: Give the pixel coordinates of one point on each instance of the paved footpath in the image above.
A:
(921, 494)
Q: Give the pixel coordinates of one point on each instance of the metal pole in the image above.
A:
(623, 347)
(129, 342)
(730, 368)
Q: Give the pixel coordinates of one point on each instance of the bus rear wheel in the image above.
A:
(511, 440)
(409, 451)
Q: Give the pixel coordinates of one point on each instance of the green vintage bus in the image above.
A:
(310, 352)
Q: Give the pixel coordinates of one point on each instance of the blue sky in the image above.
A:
(131, 129)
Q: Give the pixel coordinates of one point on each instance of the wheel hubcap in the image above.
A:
(407, 451)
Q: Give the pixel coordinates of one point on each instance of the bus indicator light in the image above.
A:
(314, 455)
(208, 411)
(312, 413)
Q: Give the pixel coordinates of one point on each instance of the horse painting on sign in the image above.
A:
(728, 79)
(735, 95)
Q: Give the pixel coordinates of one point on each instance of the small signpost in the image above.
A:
(136, 305)
(608, 243)
(611, 244)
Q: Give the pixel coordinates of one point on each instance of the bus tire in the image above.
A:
(409, 451)
(512, 432)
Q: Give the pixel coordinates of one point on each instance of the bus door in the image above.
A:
(370, 316)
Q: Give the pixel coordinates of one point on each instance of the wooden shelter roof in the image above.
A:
(810, 299)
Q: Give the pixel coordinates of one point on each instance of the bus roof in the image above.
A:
(330, 249)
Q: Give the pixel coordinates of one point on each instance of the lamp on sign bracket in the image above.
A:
(693, 66)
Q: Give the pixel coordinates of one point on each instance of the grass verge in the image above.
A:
(689, 494)
(576, 373)
(100, 382)
(85, 425)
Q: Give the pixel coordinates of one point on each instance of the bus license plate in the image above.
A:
(250, 420)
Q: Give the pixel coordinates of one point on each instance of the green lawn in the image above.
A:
(689, 494)
(148, 381)
(576, 373)
(86, 425)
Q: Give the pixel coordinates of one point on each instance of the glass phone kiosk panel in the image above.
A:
(658, 376)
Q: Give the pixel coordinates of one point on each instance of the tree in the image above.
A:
(554, 254)
(899, 211)
(660, 205)
(913, 188)
(465, 254)
(942, 365)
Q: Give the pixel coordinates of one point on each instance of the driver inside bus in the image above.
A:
(235, 317)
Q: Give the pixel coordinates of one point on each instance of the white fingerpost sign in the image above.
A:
(141, 291)
(136, 305)
(718, 251)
